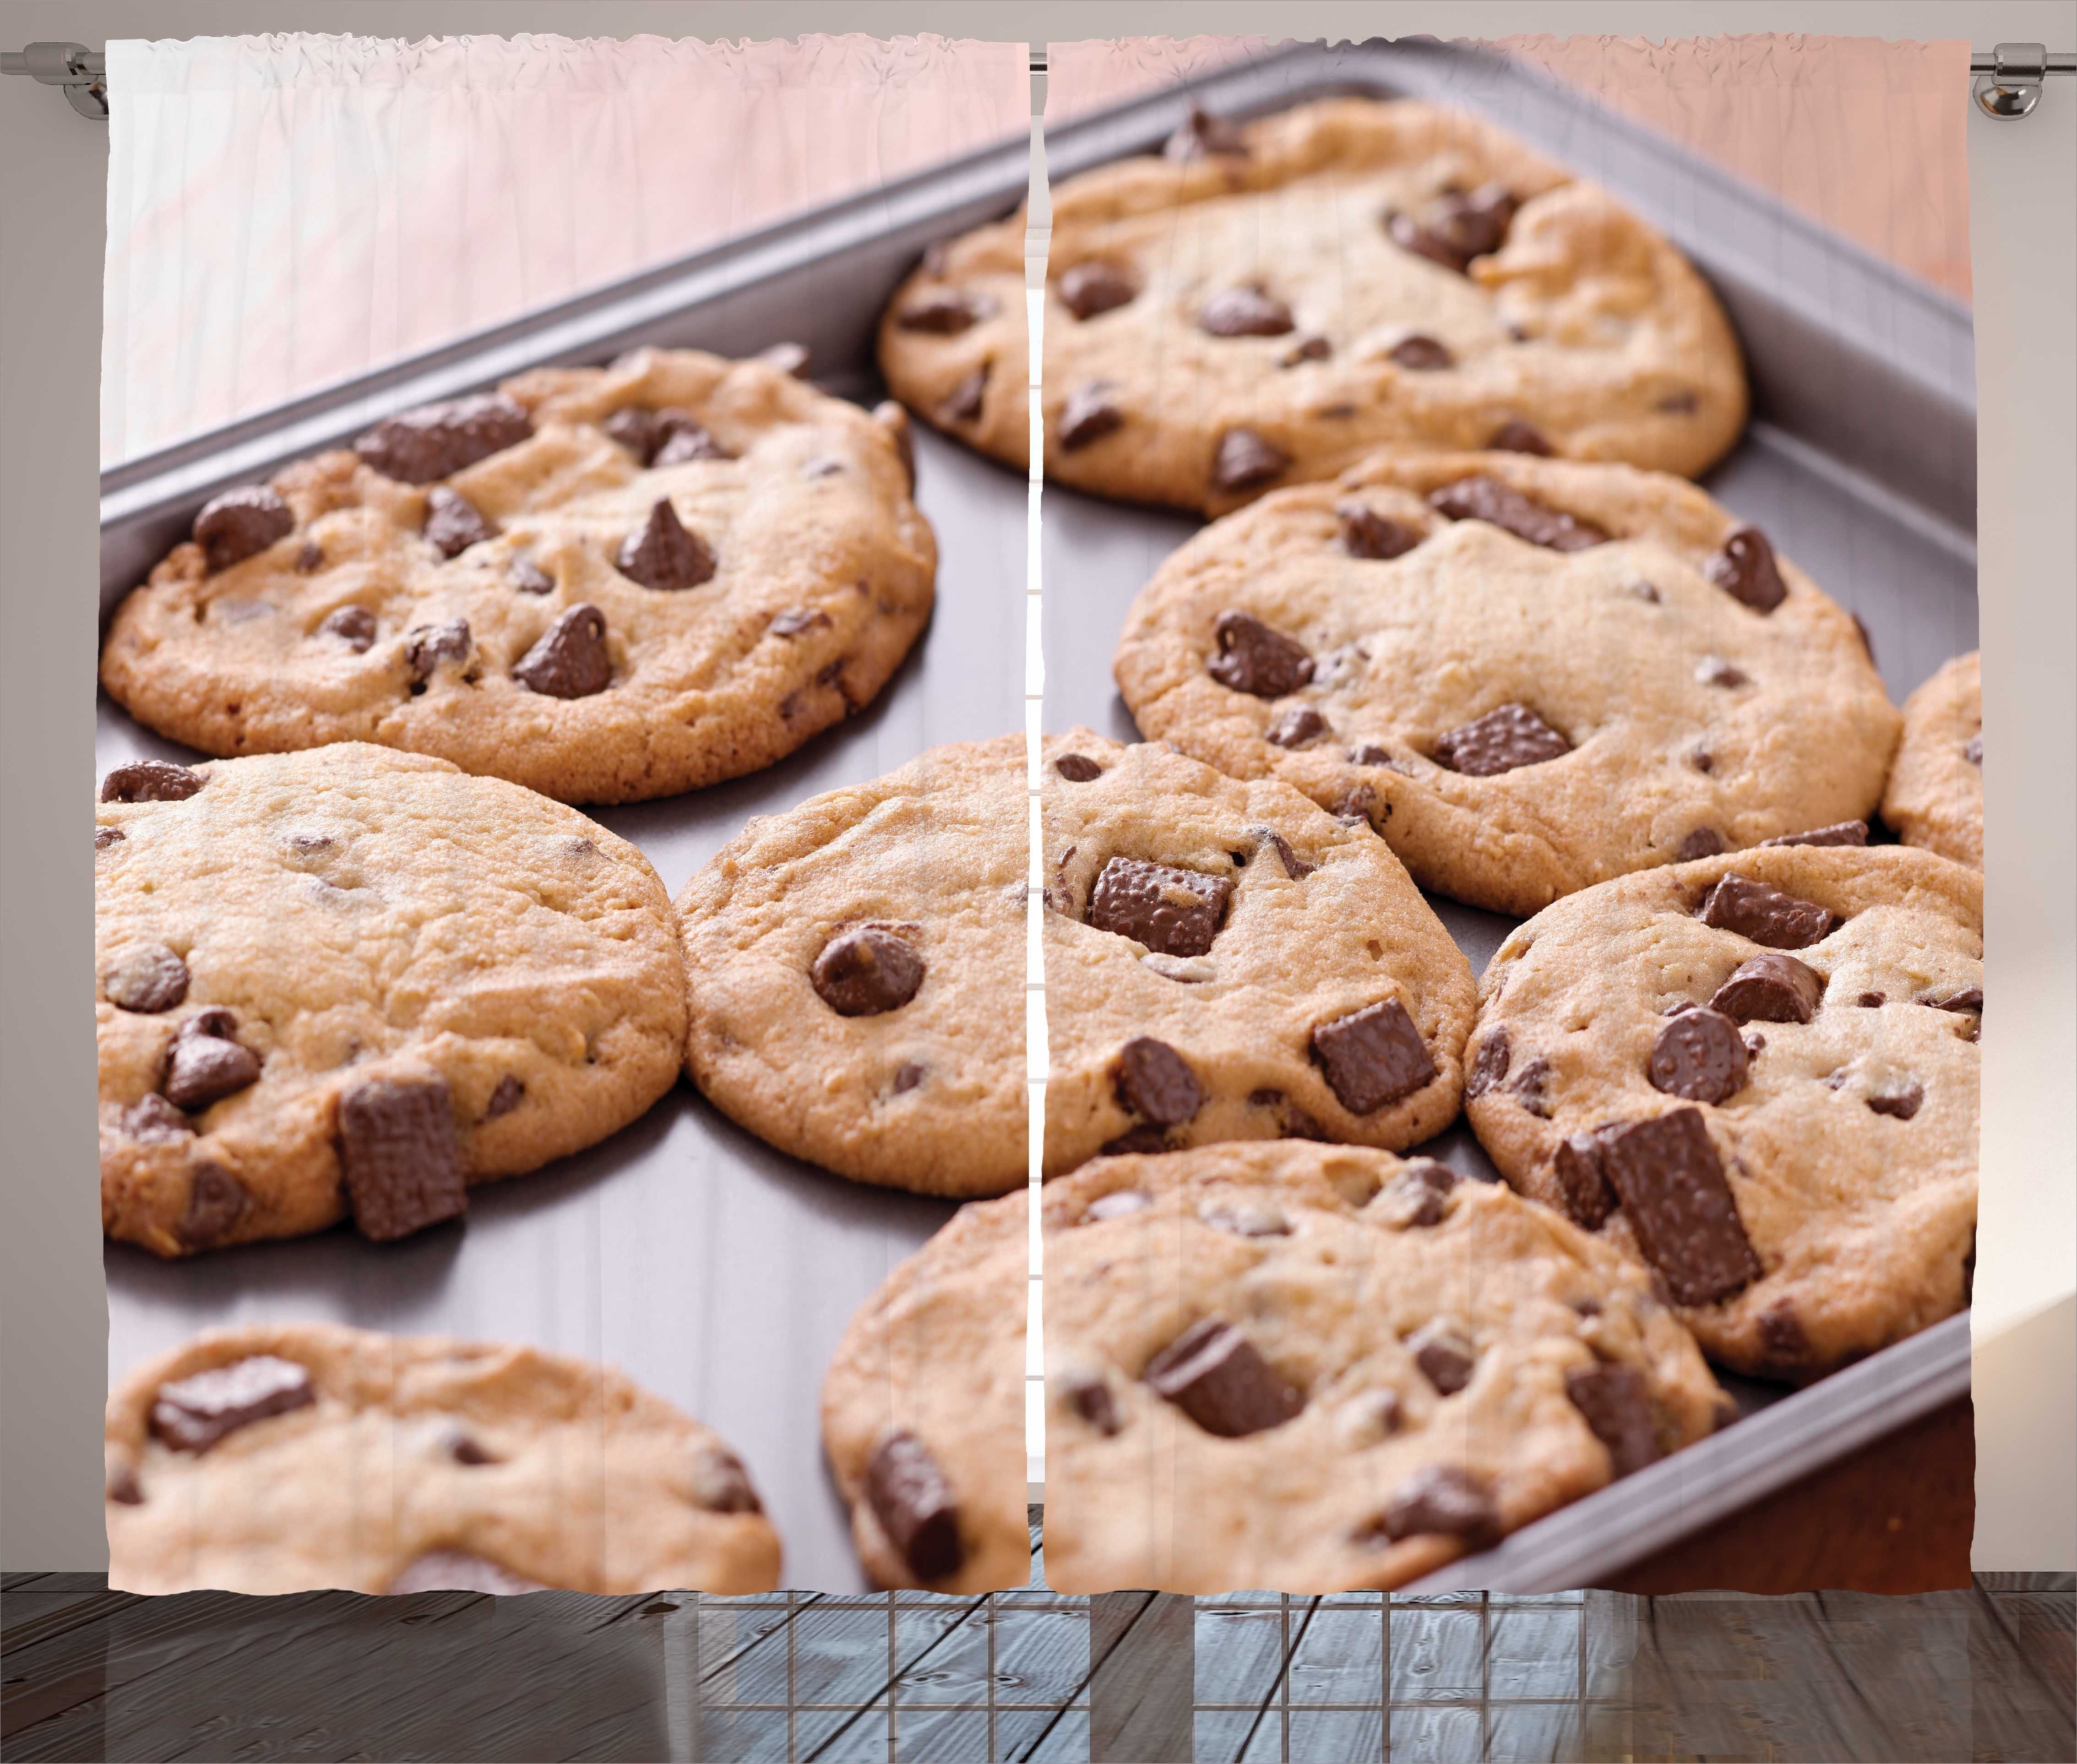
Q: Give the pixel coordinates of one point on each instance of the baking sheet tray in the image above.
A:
(714, 1270)
(1860, 464)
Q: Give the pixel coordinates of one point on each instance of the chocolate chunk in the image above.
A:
(401, 1155)
(1409, 235)
(1972, 750)
(1489, 1069)
(217, 1201)
(1839, 832)
(634, 427)
(240, 523)
(310, 557)
(1445, 1354)
(1314, 349)
(790, 358)
(1704, 841)
(1582, 1185)
(681, 438)
(1616, 1404)
(1482, 498)
(1516, 436)
(1088, 414)
(191, 1414)
(866, 970)
(426, 647)
(1244, 459)
(1699, 1057)
(1782, 1333)
(1092, 1399)
(912, 1501)
(438, 440)
(1714, 671)
(665, 556)
(1295, 867)
(1155, 1082)
(355, 626)
(1203, 135)
(1678, 404)
(966, 400)
(795, 620)
(570, 659)
(150, 780)
(1095, 286)
(1527, 1086)
(945, 312)
(122, 1487)
(465, 1449)
(1244, 312)
(1970, 998)
(1254, 658)
(1745, 569)
(1666, 1174)
(453, 523)
(456, 1570)
(907, 1076)
(1473, 224)
(1365, 533)
(1769, 988)
(151, 1118)
(722, 1485)
(1438, 1500)
(1414, 1197)
(1420, 354)
(1119, 1203)
(1766, 915)
(1295, 726)
(207, 1065)
(1900, 1100)
(1869, 1001)
(506, 1098)
(1643, 590)
(1173, 912)
(1373, 1057)
(104, 837)
(1245, 1218)
(1503, 739)
(149, 977)
(1077, 768)
(1212, 1373)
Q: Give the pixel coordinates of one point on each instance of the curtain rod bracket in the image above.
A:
(2008, 79)
(81, 72)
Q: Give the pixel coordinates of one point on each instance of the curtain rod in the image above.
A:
(2008, 78)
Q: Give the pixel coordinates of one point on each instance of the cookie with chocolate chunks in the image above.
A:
(1275, 299)
(234, 1465)
(1934, 798)
(1771, 1131)
(1427, 642)
(335, 986)
(579, 583)
(1315, 1368)
(1227, 961)
(857, 975)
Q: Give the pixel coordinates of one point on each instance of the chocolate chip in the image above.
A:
(1119, 1203)
(1409, 235)
(1203, 135)
(912, 1501)
(217, 1201)
(1752, 909)
(1077, 768)
(1616, 1405)
(310, 557)
(1482, 498)
(355, 626)
(1254, 658)
(1295, 867)
(1155, 1082)
(1745, 569)
(792, 623)
(1527, 1087)
(426, 647)
(1839, 832)
(1296, 726)
(722, 1485)
(1770, 988)
(1437, 1500)
(681, 437)
(453, 523)
(866, 970)
(151, 1118)
(1972, 750)
(123, 1487)
(1516, 436)
(1644, 591)
(907, 1076)
(790, 358)
(966, 400)
(1678, 404)
(1212, 1373)
(1503, 739)
(634, 427)
(207, 1065)
(1714, 671)
(945, 312)
(1782, 1333)
(1365, 533)
(1095, 286)
(1415, 1195)
(1869, 1001)
(104, 837)
(1244, 459)
(457, 1570)
(1092, 1399)
(401, 1156)
(1902, 1101)
(1420, 354)
(1373, 1057)
(1088, 415)
(240, 523)
(1245, 1218)
(1473, 224)
(1582, 1185)
(438, 440)
(665, 556)
(1445, 1355)
(1244, 312)
(1704, 841)
(1970, 998)
(148, 978)
(191, 1414)
(1173, 912)
(570, 659)
(1489, 1069)
(1314, 349)
(464, 1449)
(150, 780)
(1666, 1174)
(506, 1098)
(1699, 1057)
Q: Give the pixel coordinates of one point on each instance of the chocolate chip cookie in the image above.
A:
(1265, 304)
(1935, 794)
(857, 971)
(1757, 1075)
(1224, 960)
(606, 583)
(351, 984)
(294, 1458)
(923, 1409)
(1317, 1368)
(1529, 676)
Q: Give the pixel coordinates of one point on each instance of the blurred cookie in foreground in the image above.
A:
(1935, 794)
